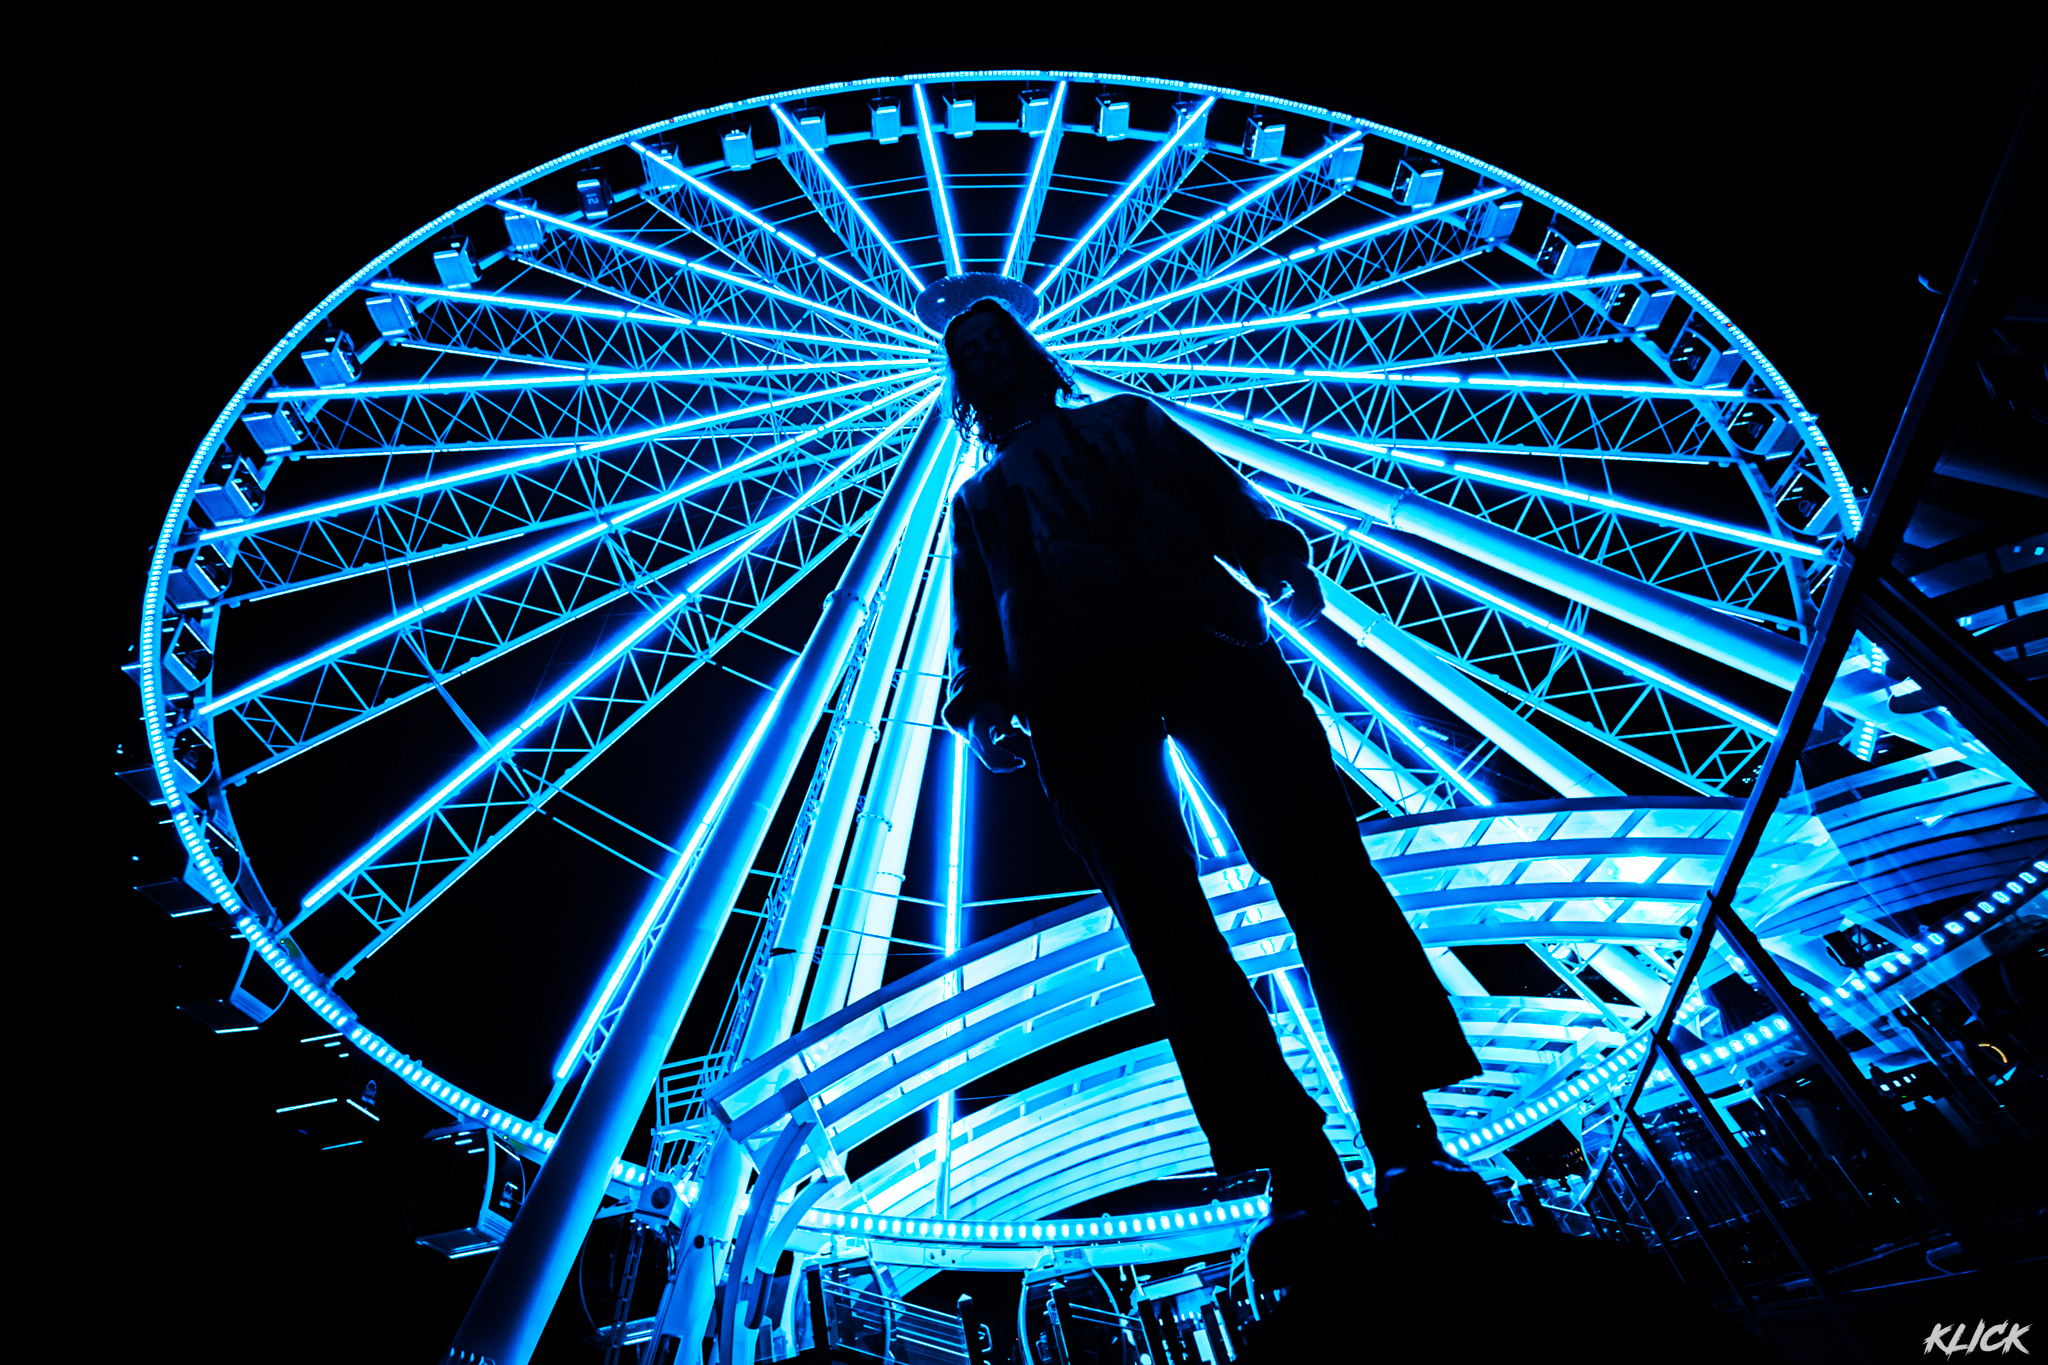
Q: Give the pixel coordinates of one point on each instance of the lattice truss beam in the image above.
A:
(1539, 671)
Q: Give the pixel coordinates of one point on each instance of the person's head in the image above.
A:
(997, 368)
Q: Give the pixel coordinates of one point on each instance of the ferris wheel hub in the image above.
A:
(940, 303)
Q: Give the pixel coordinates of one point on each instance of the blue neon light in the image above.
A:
(1506, 480)
(1039, 166)
(802, 248)
(1419, 303)
(1323, 1059)
(885, 1227)
(685, 263)
(824, 168)
(1166, 149)
(603, 661)
(462, 476)
(1616, 388)
(645, 508)
(928, 139)
(685, 860)
(1256, 193)
(1627, 663)
(644, 316)
(569, 377)
(1258, 268)
(1401, 727)
(1195, 796)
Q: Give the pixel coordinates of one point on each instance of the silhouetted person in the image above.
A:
(1091, 608)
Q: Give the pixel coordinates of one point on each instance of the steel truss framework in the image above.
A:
(598, 422)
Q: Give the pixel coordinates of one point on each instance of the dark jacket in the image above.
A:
(1093, 534)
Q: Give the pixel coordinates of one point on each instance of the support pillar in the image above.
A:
(511, 1308)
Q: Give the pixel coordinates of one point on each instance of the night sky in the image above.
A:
(1801, 178)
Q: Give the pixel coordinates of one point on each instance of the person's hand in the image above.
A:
(992, 737)
(1291, 586)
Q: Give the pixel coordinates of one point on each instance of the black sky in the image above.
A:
(1801, 177)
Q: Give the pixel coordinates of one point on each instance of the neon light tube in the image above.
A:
(1194, 795)
(1628, 664)
(1323, 1059)
(955, 856)
(1039, 166)
(684, 263)
(1420, 303)
(1252, 195)
(565, 452)
(1646, 511)
(603, 661)
(1446, 380)
(937, 174)
(498, 575)
(685, 860)
(825, 169)
(1144, 172)
(1358, 689)
(564, 379)
(802, 248)
(1260, 268)
(642, 316)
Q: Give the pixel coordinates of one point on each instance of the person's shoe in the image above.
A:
(1434, 1198)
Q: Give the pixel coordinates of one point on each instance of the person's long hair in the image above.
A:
(1041, 371)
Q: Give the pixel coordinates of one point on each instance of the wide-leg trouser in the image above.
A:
(1239, 716)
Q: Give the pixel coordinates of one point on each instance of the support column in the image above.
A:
(853, 957)
(505, 1320)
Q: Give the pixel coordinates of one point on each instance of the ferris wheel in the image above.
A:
(658, 431)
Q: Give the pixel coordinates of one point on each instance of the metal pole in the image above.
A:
(511, 1308)
(1907, 462)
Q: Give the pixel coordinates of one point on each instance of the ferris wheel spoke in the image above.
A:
(1312, 277)
(1542, 663)
(1031, 201)
(292, 708)
(1255, 371)
(944, 223)
(1461, 306)
(321, 543)
(754, 244)
(1212, 249)
(1415, 558)
(692, 287)
(395, 661)
(851, 223)
(413, 860)
(571, 374)
(630, 311)
(1132, 209)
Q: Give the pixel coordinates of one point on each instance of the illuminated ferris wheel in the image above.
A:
(660, 424)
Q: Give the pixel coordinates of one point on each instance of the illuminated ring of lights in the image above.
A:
(1135, 315)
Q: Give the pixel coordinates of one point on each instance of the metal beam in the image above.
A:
(935, 182)
(1564, 771)
(1032, 202)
